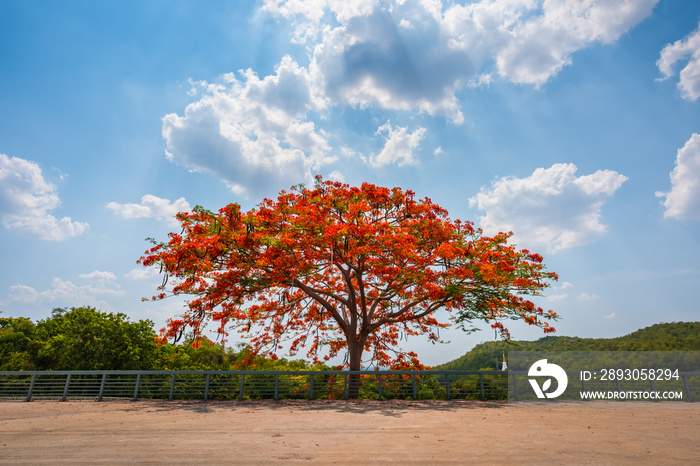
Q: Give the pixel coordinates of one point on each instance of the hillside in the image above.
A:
(675, 336)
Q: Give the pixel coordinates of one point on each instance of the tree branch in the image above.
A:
(319, 299)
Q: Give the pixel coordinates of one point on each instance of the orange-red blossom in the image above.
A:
(345, 268)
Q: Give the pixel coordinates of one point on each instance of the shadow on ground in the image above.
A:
(387, 407)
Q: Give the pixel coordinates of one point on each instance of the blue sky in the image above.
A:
(573, 123)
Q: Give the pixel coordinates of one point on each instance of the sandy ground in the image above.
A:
(344, 432)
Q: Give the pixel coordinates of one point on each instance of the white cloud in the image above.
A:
(399, 145)
(560, 296)
(688, 47)
(683, 200)
(610, 316)
(27, 200)
(99, 276)
(143, 273)
(588, 297)
(237, 189)
(66, 293)
(261, 134)
(415, 54)
(540, 42)
(482, 80)
(550, 210)
(308, 14)
(372, 60)
(336, 175)
(152, 207)
(252, 133)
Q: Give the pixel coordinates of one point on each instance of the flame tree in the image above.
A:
(346, 269)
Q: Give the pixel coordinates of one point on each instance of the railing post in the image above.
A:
(277, 384)
(379, 385)
(240, 392)
(447, 385)
(687, 388)
(515, 386)
(206, 387)
(481, 383)
(311, 387)
(172, 387)
(136, 388)
(65, 389)
(345, 387)
(102, 386)
(414, 387)
(31, 388)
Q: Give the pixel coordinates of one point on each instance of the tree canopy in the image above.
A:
(16, 334)
(79, 338)
(88, 339)
(346, 268)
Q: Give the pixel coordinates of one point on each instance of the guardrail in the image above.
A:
(252, 385)
(310, 385)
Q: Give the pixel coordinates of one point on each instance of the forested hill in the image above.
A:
(675, 336)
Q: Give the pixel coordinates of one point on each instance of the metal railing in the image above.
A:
(252, 385)
(278, 385)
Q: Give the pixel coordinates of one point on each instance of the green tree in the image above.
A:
(15, 337)
(203, 354)
(84, 338)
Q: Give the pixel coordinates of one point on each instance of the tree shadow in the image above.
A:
(381, 407)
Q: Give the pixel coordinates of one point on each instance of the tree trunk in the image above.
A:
(355, 359)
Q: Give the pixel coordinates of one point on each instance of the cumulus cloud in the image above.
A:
(253, 133)
(415, 54)
(65, 293)
(27, 200)
(688, 47)
(143, 273)
(262, 134)
(152, 207)
(540, 42)
(373, 60)
(308, 15)
(550, 210)
(99, 276)
(399, 146)
(336, 175)
(683, 200)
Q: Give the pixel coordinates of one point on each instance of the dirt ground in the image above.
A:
(344, 432)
